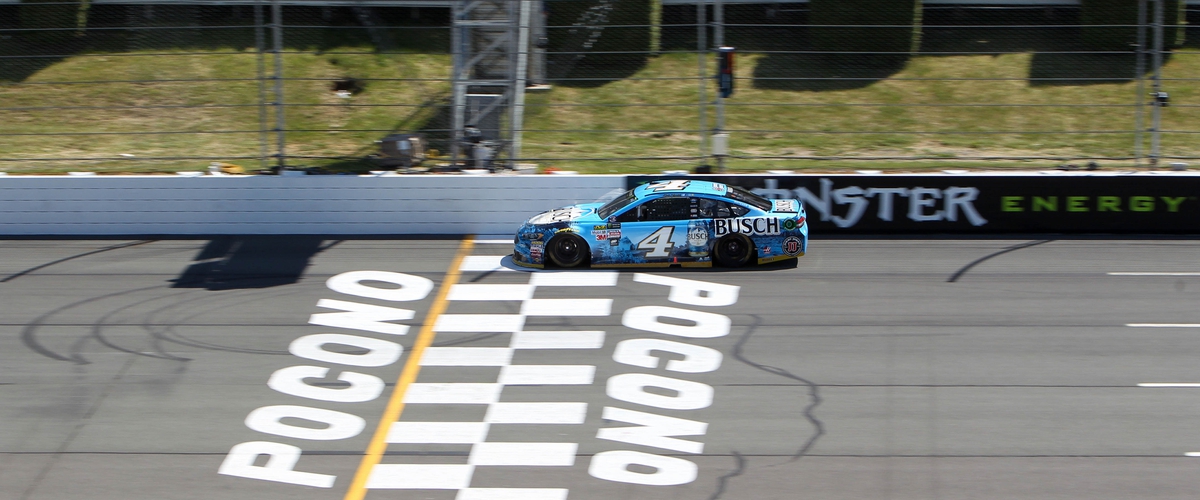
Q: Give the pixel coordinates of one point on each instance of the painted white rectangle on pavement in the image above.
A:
(437, 432)
(547, 375)
(476, 291)
(558, 340)
(420, 477)
(1163, 325)
(512, 494)
(524, 454)
(567, 307)
(1170, 384)
(574, 278)
(466, 356)
(536, 413)
(483, 263)
(1154, 274)
(479, 323)
(449, 393)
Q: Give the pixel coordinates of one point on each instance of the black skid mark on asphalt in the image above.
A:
(75, 432)
(98, 333)
(29, 333)
(64, 259)
(722, 481)
(958, 274)
(481, 276)
(468, 340)
(814, 392)
(169, 333)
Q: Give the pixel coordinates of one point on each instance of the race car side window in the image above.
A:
(665, 209)
(616, 204)
(630, 215)
(737, 210)
(718, 209)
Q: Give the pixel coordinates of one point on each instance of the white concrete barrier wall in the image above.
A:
(324, 204)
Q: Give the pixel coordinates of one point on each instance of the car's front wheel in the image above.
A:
(567, 250)
(733, 250)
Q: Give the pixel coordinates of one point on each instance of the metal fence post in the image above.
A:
(517, 111)
(280, 123)
(1156, 110)
(1139, 74)
(702, 73)
(719, 41)
(260, 76)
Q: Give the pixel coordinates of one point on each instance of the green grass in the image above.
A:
(608, 137)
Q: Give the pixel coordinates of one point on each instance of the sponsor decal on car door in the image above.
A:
(646, 242)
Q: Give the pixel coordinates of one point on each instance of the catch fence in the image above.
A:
(607, 85)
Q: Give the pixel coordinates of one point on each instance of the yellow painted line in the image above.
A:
(395, 406)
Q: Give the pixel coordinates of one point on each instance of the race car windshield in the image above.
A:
(617, 204)
(745, 196)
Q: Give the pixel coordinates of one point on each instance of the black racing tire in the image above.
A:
(733, 250)
(567, 250)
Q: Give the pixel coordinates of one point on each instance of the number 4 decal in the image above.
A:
(658, 244)
(674, 185)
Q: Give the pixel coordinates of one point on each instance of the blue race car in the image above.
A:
(690, 223)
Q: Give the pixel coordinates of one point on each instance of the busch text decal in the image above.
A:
(746, 225)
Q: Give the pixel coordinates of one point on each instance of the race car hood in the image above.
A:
(573, 213)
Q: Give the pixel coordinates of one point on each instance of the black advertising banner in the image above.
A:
(982, 204)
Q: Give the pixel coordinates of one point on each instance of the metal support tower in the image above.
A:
(490, 52)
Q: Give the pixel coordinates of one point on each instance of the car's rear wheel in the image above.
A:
(733, 250)
(567, 250)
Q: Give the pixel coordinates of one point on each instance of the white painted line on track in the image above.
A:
(512, 494)
(1169, 384)
(451, 393)
(369, 467)
(558, 340)
(467, 356)
(479, 323)
(574, 278)
(420, 477)
(1153, 274)
(494, 242)
(437, 432)
(490, 292)
(483, 263)
(567, 307)
(1192, 454)
(536, 413)
(524, 454)
(1163, 325)
(547, 375)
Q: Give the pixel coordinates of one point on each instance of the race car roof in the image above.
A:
(680, 186)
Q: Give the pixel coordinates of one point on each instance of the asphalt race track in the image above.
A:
(307, 368)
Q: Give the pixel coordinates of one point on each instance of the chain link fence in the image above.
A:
(613, 85)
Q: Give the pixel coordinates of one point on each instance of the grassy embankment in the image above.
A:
(919, 97)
